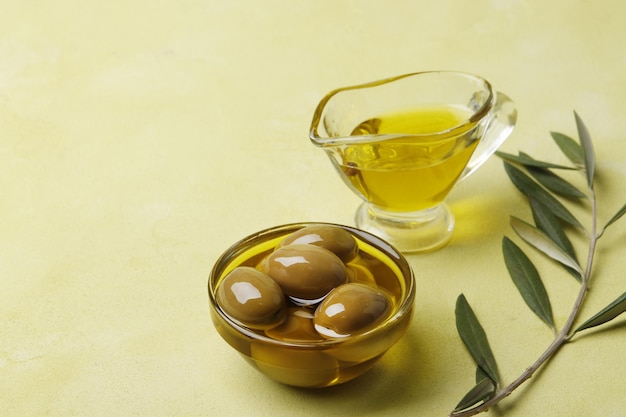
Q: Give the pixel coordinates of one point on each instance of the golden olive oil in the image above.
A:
(416, 169)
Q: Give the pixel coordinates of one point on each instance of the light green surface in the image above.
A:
(138, 140)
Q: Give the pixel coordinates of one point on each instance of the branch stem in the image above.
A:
(562, 337)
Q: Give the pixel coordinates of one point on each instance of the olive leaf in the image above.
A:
(617, 307)
(475, 339)
(533, 190)
(549, 224)
(540, 241)
(527, 281)
(480, 374)
(527, 161)
(483, 390)
(588, 152)
(570, 148)
(616, 217)
(552, 181)
(555, 183)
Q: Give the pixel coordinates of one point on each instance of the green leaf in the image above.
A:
(533, 190)
(483, 390)
(616, 217)
(549, 224)
(475, 339)
(555, 183)
(552, 181)
(587, 146)
(617, 307)
(570, 148)
(543, 243)
(527, 161)
(480, 374)
(527, 281)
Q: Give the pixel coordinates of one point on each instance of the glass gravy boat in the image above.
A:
(402, 143)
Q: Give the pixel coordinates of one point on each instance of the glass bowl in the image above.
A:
(320, 362)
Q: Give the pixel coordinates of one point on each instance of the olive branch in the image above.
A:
(552, 220)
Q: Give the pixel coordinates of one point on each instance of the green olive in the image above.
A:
(351, 309)
(252, 298)
(305, 272)
(334, 238)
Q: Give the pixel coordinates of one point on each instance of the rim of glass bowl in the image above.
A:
(246, 243)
